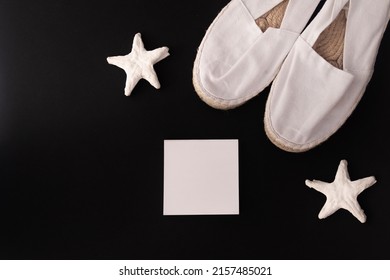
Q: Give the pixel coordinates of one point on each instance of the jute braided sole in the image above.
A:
(272, 18)
(330, 43)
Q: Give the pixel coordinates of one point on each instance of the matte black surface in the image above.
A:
(81, 165)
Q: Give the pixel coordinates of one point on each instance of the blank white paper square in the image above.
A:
(201, 177)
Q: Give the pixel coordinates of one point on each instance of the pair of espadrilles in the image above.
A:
(319, 70)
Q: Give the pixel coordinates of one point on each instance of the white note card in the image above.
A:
(201, 177)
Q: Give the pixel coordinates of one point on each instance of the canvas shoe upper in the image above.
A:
(236, 59)
(312, 97)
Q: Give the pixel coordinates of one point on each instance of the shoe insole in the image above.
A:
(330, 43)
(272, 18)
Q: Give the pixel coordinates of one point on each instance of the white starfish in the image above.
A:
(138, 64)
(342, 193)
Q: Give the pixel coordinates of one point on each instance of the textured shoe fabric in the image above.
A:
(310, 99)
(236, 59)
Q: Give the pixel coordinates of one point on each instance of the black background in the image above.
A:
(81, 165)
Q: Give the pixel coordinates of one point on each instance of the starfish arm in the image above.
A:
(138, 45)
(342, 171)
(118, 61)
(131, 82)
(150, 75)
(317, 185)
(353, 206)
(328, 209)
(158, 54)
(362, 184)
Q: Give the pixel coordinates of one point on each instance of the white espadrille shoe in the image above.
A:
(244, 48)
(325, 74)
